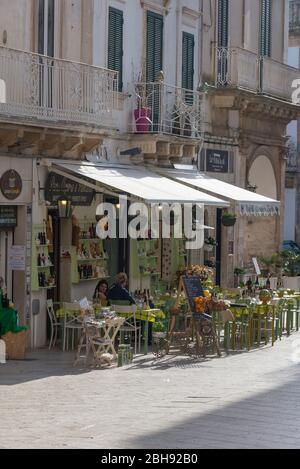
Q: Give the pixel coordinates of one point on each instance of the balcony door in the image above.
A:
(154, 65)
(46, 13)
(222, 41)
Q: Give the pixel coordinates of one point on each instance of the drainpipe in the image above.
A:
(201, 26)
(178, 38)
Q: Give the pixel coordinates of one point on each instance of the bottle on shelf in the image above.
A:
(39, 261)
(268, 282)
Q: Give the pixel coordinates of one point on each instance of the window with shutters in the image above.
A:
(223, 23)
(154, 56)
(188, 48)
(266, 28)
(46, 13)
(115, 43)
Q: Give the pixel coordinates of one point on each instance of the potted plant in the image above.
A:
(158, 330)
(229, 219)
(238, 272)
(271, 265)
(291, 270)
(142, 113)
(209, 244)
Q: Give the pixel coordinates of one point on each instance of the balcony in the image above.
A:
(168, 110)
(295, 17)
(47, 90)
(239, 68)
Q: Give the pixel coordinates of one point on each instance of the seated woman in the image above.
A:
(119, 291)
(101, 291)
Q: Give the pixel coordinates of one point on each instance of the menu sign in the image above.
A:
(17, 258)
(11, 184)
(193, 289)
(58, 186)
(8, 217)
(217, 161)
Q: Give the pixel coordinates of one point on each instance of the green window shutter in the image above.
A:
(115, 43)
(223, 23)
(154, 63)
(188, 48)
(266, 28)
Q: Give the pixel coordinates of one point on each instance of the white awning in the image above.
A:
(249, 202)
(138, 182)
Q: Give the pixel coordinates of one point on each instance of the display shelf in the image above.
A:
(90, 239)
(92, 279)
(42, 274)
(100, 259)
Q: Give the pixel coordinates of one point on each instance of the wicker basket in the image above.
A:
(15, 345)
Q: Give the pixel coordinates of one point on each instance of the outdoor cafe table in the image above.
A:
(147, 316)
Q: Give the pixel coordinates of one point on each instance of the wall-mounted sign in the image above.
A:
(217, 161)
(256, 266)
(8, 217)
(17, 258)
(11, 184)
(58, 186)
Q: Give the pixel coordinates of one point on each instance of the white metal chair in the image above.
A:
(72, 321)
(54, 323)
(131, 325)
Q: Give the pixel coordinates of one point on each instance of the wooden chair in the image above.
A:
(54, 323)
(131, 325)
(72, 321)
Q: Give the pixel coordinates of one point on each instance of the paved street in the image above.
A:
(248, 400)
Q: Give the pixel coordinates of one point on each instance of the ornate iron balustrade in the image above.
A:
(236, 68)
(244, 69)
(295, 17)
(49, 89)
(167, 109)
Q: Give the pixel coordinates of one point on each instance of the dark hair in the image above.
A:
(101, 282)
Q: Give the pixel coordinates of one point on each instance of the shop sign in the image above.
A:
(17, 258)
(11, 184)
(193, 289)
(217, 161)
(8, 217)
(58, 186)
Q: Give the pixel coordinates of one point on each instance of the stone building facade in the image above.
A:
(221, 88)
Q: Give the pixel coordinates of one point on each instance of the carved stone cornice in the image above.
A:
(249, 103)
(161, 7)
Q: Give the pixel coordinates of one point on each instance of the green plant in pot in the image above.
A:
(209, 244)
(158, 327)
(229, 219)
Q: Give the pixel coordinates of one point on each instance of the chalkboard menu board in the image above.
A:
(193, 289)
(8, 217)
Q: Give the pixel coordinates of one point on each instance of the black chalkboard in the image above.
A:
(193, 289)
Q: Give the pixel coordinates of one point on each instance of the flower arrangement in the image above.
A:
(201, 271)
(200, 304)
(211, 242)
(229, 218)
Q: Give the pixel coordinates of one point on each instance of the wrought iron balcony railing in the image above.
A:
(240, 68)
(295, 17)
(167, 109)
(49, 89)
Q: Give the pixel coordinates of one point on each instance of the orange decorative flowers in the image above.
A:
(200, 304)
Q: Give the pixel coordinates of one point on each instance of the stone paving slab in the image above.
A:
(245, 400)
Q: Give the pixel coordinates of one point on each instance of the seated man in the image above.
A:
(119, 292)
